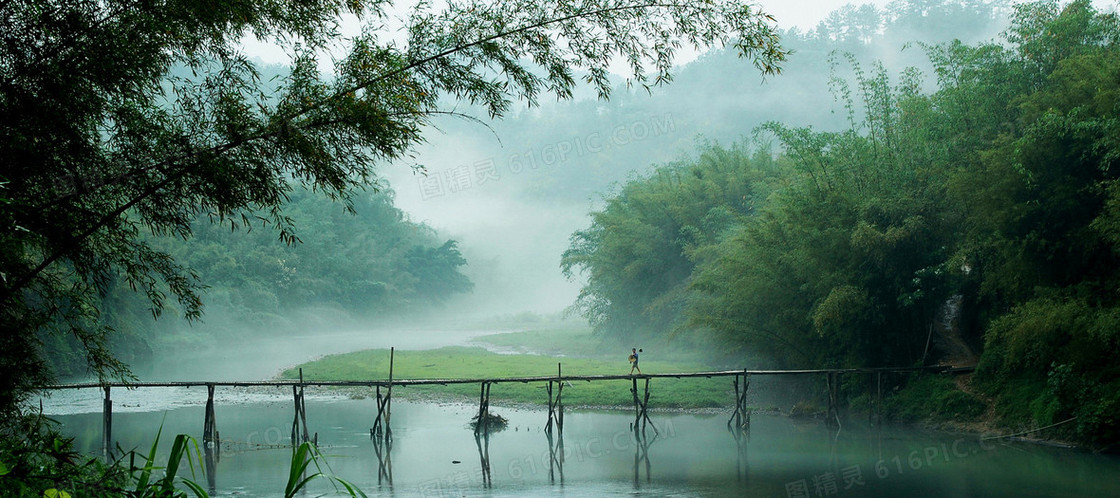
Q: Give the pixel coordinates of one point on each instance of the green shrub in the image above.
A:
(1052, 360)
(933, 397)
(959, 405)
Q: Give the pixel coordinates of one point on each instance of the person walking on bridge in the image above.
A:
(634, 361)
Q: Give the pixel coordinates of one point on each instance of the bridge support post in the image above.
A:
(107, 427)
(878, 398)
(832, 418)
(209, 425)
(384, 406)
(295, 420)
(299, 436)
(741, 417)
(556, 405)
(874, 392)
(482, 425)
(637, 404)
(210, 442)
(551, 408)
(559, 402)
(378, 422)
(389, 394)
(381, 434)
(641, 415)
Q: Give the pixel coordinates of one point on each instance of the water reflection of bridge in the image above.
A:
(639, 386)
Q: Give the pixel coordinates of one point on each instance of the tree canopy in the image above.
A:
(989, 202)
(104, 140)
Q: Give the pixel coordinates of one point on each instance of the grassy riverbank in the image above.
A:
(535, 353)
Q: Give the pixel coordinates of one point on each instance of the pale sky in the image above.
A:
(804, 14)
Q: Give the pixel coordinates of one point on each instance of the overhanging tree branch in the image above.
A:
(225, 143)
(282, 121)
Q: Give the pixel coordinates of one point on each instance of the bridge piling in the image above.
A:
(741, 417)
(381, 423)
(389, 395)
(641, 417)
(209, 425)
(878, 398)
(551, 407)
(107, 426)
(637, 404)
(299, 436)
(295, 420)
(482, 426)
(832, 383)
(560, 403)
(375, 429)
(555, 404)
(874, 401)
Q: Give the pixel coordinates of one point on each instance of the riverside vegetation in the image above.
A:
(996, 189)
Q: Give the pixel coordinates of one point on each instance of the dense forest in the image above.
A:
(351, 258)
(984, 187)
(364, 260)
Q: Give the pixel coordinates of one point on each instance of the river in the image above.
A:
(434, 453)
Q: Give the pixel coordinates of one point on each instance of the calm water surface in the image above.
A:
(434, 453)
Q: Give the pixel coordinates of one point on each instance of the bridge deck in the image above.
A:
(499, 380)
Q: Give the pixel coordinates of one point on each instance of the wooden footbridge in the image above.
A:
(554, 388)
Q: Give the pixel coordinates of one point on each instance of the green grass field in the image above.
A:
(581, 356)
